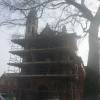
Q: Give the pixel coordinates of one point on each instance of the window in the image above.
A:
(28, 85)
(0, 98)
(2, 82)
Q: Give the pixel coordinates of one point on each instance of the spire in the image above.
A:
(32, 15)
(47, 31)
(47, 28)
(64, 29)
(31, 23)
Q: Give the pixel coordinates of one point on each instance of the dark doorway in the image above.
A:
(42, 93)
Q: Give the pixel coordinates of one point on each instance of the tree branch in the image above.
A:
(97, 16)
(86, 13)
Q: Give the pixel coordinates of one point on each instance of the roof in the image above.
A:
(9, 74)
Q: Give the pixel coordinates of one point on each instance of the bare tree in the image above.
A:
(72, 13)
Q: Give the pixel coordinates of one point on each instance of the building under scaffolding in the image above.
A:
(50, 67)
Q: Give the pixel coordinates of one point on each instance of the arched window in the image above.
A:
(42, 93)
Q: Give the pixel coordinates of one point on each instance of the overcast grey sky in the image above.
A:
(5, 46)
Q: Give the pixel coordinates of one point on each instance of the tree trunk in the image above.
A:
(93, 58)
(92, 77)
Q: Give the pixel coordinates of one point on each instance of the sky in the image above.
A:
(4, 48)
(5, 44)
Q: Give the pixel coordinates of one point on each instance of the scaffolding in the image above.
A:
(15, 58)
(49, 67)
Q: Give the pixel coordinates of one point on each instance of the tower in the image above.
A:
(50, 69)
(31, 23)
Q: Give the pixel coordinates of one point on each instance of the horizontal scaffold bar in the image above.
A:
(46, 75)
(23, 64)
(56, 49)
